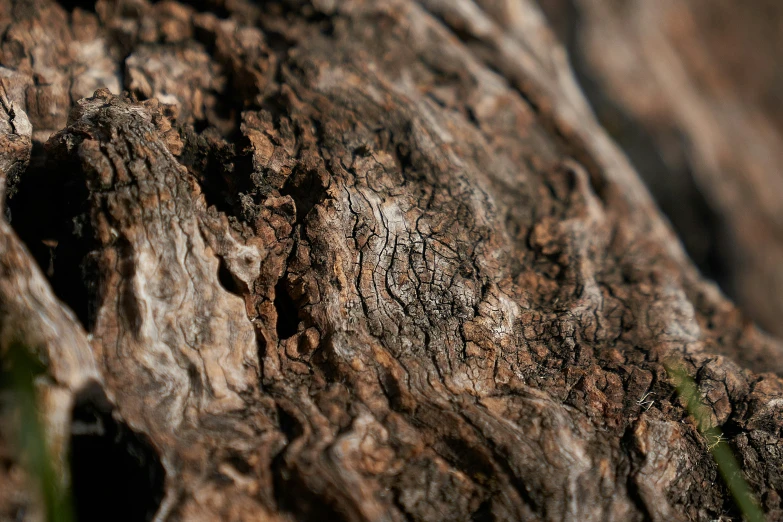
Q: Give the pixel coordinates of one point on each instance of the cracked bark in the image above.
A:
(351, 261)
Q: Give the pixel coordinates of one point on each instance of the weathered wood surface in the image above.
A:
(354, 261)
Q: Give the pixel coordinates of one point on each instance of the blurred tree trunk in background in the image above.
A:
(370, 260)
(691, 90)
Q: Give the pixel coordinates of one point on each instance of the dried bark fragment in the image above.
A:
(409, 278)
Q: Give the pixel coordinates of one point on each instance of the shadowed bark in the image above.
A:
(351, 261)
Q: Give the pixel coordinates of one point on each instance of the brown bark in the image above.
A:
(352, 261)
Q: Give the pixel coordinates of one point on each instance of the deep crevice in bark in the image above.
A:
(227, 279)
(213, 161)
(48, 210)
(287, 311)
(115, 472)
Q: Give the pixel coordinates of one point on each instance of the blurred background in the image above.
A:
(692, 90)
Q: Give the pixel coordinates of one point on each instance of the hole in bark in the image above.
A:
(200, 126)
(113, 469)
(227, 280)
(306, 189)
(212, 160)
(47, 207)
(287, 312)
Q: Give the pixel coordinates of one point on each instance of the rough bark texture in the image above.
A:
(352, 261)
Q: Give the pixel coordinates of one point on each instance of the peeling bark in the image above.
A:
(354, 261)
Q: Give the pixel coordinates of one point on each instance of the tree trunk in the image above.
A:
(691, 90)
(357, 260)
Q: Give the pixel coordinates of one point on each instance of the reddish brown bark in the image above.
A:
(353, 261)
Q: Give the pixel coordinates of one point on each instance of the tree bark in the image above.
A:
(355, 260)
